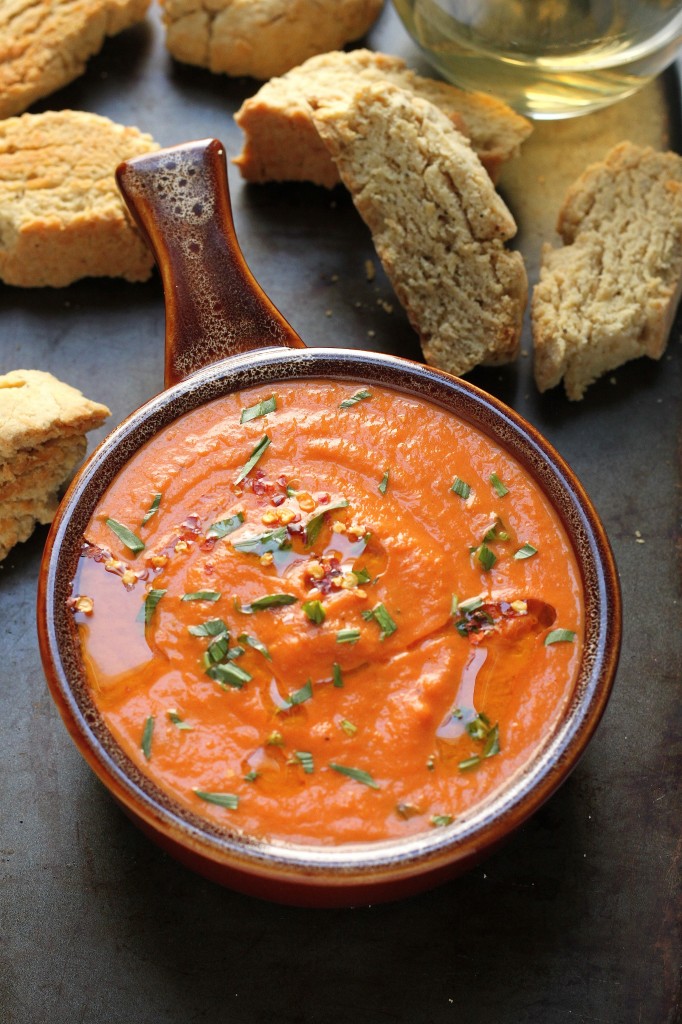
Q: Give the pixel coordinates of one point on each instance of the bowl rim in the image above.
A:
(505, 808)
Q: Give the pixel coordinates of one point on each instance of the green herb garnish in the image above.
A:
(147, 734)
(305, 758)
(496, 532)
(383, 486)
(229, 800)
(441, 820)
(470, 605)
(558, 636)
(460, 488)
(217, 649)
(348, 636)
(153, 508)
(261, 408)
(486, 557)
(362, 575)
(252, 776)
(498, 486)
(355, 773)
(228, 675)
(174, 717)
(314, 525)
(126, 536)
(383, 620)
(150, 602)
(480, 729)
(527, 551)
(268, 601)
(359, 396)
(254, 642)
(315, 612)
(348, 727)
(212, 627)
(272, 540)
(225, 526)
(337, 677)
(469, 762)
(302, 695)
(201, 595)
(252, 459)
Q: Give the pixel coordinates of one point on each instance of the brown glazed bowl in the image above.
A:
(215, 309)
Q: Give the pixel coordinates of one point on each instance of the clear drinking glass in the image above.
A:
(547, 58)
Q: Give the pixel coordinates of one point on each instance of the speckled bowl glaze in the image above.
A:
(215, 308)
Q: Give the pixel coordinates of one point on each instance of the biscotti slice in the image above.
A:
(610, 294)
(282, 144)
(438, 225)
(61, 215)
(263, 38)
(43, 423)
(45, 44)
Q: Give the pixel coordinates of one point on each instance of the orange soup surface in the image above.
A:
(326, 614)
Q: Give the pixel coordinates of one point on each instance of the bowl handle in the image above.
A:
(180, 200)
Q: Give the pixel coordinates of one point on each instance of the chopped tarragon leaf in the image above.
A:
(150, 602)
(486, 557)
(315, 612)
(558, 636)
(441, 820)
(348, 636)
(301, 695)
(228, 675)
(383, 620)
(225, 526)
(252, 459)
(359, 396)
(174, 717)
(261, 408)
(355, 773)
(147, 734)
(362, 575)
(527, 551)
(252, 776)
(496, 532)
(337, 677)
(478, 729)
(348, 727)
(272, 540)
(201, 595)
(267, 601)
(254, 642)
(212, 627)
(229, 800)
(470, 605)
(492, 743)
(498, 486)
(152, 510)
(454, 605)
(383, 486)
(314, 525)
(305, 758)
(217, 649)
(126, 536)
(460, 488)
(469, 762)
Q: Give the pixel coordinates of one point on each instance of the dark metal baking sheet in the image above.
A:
(575, 920)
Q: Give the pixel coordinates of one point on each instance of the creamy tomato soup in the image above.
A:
(327, 613)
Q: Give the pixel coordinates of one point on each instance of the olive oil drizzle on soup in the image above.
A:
(325, 614)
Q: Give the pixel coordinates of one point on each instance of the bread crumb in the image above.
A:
(370, 271)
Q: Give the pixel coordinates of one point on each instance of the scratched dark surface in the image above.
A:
(576, 919)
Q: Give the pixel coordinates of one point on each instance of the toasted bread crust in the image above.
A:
(282, 144)
(610, 293)
(437, 223)
(61, 216)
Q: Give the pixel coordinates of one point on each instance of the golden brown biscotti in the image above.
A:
(61, 215)
(262, 38)
(43, 423)
(45, 44)
(438, 224)
(282, 144)
(610, 294)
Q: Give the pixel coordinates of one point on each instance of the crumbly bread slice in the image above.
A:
(61, 216)
(240, 37)
(45, 45)
(282, 144)
(610, 294)
(36, 407)
(437, 222)
(42, 438)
